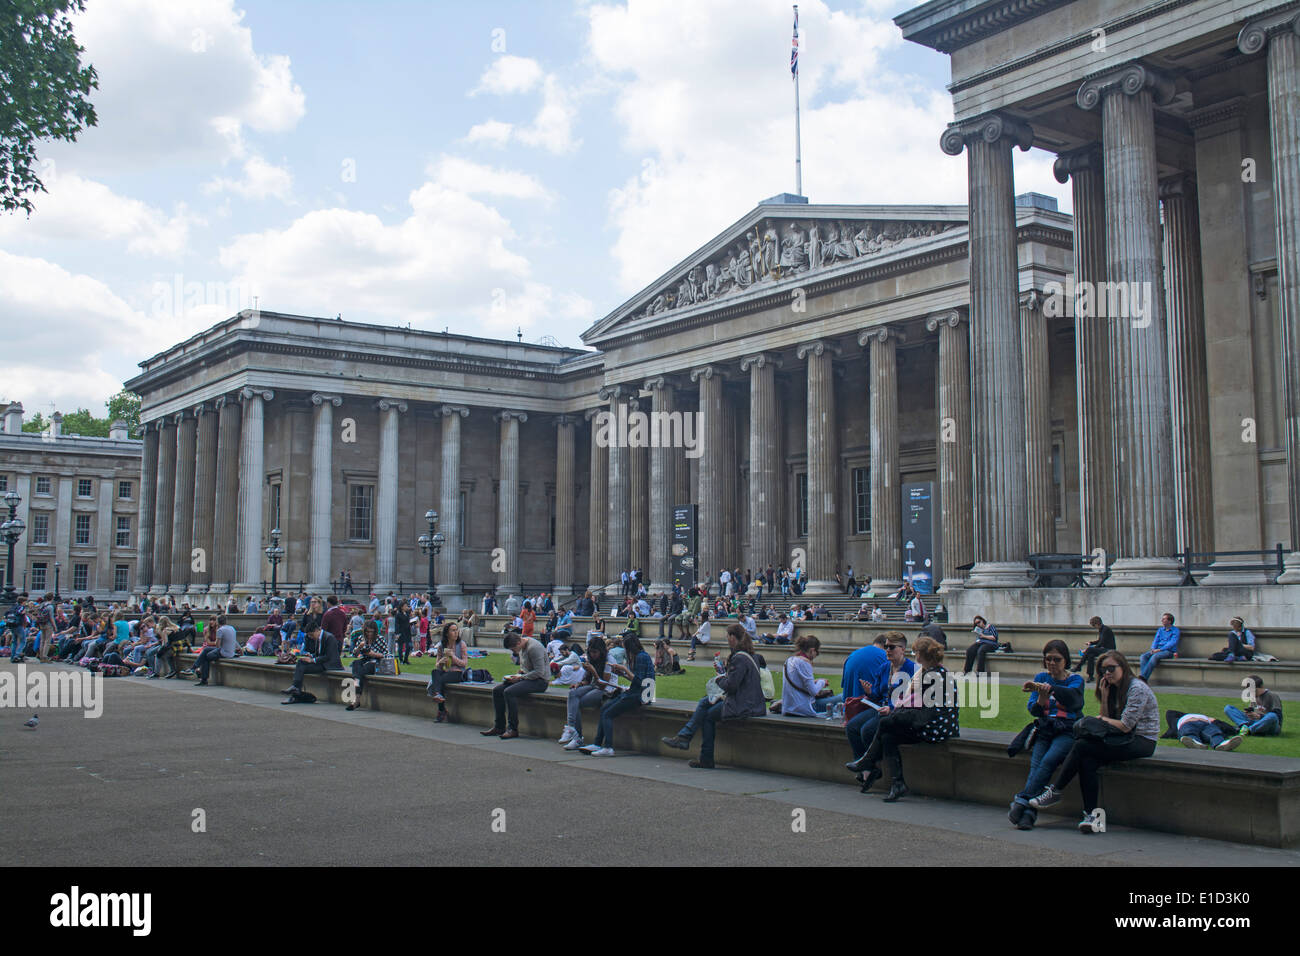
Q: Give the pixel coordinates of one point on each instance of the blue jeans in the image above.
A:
(1202, 730)
(1266, 726)
(20, 642)
(589, 695)
(620, 705)
(1044, 758)
(704, 719)
(861, 730)
(1149, 661)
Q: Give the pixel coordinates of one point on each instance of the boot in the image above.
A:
(898, 787)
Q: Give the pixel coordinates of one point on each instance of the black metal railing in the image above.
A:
(1270, 562)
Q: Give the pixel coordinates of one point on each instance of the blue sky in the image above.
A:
(483, 167)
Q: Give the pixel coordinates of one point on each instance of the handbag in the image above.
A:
(713, 690)
(387, 667)
(1094, 728)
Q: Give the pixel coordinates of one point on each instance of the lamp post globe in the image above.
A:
(11, 530)
(431, 544)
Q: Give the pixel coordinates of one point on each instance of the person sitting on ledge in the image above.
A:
(986, 639)
(1126, 730)
(223, 643)
(926, 713)
(1105, 641)
(369, 651)
(451, 665)
(701, 636)
(533, 678)
(322, 655)
(1055, 703)
(803, 694)
(1163, 645)
(1262, 718)
(1241, 643)
(641, 674)
(743, 698)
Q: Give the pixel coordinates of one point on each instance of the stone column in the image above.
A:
(249, 557)
(148, 493)
(225, 507)
(183, 503)
(956, 503)
(1098, 510)
(1038, 426)
(1001, 518)
(823, 473)
(638, 464)
(565, 494)
(679, 459)
(1188, 389)
(662, 409)
(1138, 361)
(508, 500)
(886, 567)
(1281, 34)
(164, 501)
(205, 493)
(386, 495)
(729, 477)
(321, 571)
(618, 515)
(448, 560)
(598, 514)
(765, 545)
(708, 560)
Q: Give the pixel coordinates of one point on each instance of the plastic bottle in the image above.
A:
(718, 665)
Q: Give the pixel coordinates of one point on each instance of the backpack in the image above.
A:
(476, 675)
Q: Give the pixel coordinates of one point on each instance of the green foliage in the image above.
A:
(42, 93)
(37, 423)
(126, 406)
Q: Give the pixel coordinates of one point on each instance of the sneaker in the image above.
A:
(701, 764)
(1243, 730)
(1049, 797)
(569, 734)
(1017, 811)
(575, 743)
(1091, 823)
(589, 749)
(1028, 819)
(603, 752)
(677, 743)
(1229, 743)
(1193, 742)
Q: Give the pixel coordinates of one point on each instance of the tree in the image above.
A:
(43, 89)
(126, 406)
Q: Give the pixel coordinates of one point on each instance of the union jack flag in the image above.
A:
(794, 45)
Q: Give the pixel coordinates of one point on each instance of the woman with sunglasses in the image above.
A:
(1055, 703)
(1129, 707)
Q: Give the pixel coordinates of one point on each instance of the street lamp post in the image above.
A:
(56, 580)
(274, 554)
(431, 544)
(11, 530)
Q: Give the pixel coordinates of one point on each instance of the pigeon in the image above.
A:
(33, 722)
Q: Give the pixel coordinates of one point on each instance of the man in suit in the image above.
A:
(322, 656)
(1105, 641)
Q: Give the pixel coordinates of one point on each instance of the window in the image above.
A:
(361, 510)
(121, 578)
(464, 500)
(38, 577)
(275, 506)
(802, 509)
(124, 490)
(80, 575)
(1058, 482)
(40, 528)
(43, 485)
(83, 530)
(123, 538)
(85, 487)
(4, 483)
(861, 500)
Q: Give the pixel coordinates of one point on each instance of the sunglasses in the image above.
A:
(1109, 668)
(1053, 660)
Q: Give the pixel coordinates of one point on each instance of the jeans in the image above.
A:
(210, 654)
(692, 725)
(1088, 658)
(20, 641)
(1044, 758)
(588, 695)
(505, 700)
(821, 705)
(1088, 755)
(975, 654)
(1149, 661)
(1202, 730)
(695, 642)
(620, 705)
(440, 679)
(359, 671)
(1267, 726)
(861, 730)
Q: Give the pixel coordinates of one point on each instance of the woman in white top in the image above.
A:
(701, 636)
(597, 684)
(803, 694)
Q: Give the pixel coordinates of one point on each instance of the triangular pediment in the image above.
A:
(775, 244)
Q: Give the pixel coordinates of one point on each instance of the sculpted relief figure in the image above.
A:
(771, 266)
(814, 248)
(794, 252)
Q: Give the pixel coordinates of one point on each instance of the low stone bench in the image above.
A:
(1229, 796)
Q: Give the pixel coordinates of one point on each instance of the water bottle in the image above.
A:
(718, 665)
(836, 712)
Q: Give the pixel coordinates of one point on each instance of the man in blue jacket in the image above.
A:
(866, 674)
(1165, 644)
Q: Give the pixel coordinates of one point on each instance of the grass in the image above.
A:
(1011, 714)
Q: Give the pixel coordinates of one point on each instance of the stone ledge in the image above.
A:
(1238, 797)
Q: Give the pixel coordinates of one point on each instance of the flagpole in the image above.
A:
(798, 152)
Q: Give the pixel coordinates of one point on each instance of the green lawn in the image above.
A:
(1011, 711)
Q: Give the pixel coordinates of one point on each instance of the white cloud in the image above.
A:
(476, 179)
(492, 132)
(260, 180)
(552, 128)
(510, 74)
(177, 82)
(76, 208)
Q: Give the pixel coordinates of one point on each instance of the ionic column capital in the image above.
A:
(385, 404)
(816, 348)
(180, 416)
(446, 411)
(656, 383)
(201, 409)
(951, 318)
(708, 372)
(1129, 79)
(1032, 300)
(1254, 36)
(506, 415)
(760, 360)
(1085, 159)
(1179, 186)
(317, 398)
(591, 413)
(990, 128)
(561, 420)
(248, 392)
(881, 333)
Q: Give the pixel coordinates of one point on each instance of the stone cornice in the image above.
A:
(1231, 111)
(1129, 79)
(968, 26)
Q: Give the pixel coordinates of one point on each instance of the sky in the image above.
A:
(489, 168)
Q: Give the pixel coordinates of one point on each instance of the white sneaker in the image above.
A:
(1194, 743)
(1091, 822)
(575, 743)
(567, 735)
(1230, 743)
(589, 749)
(603, 752)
